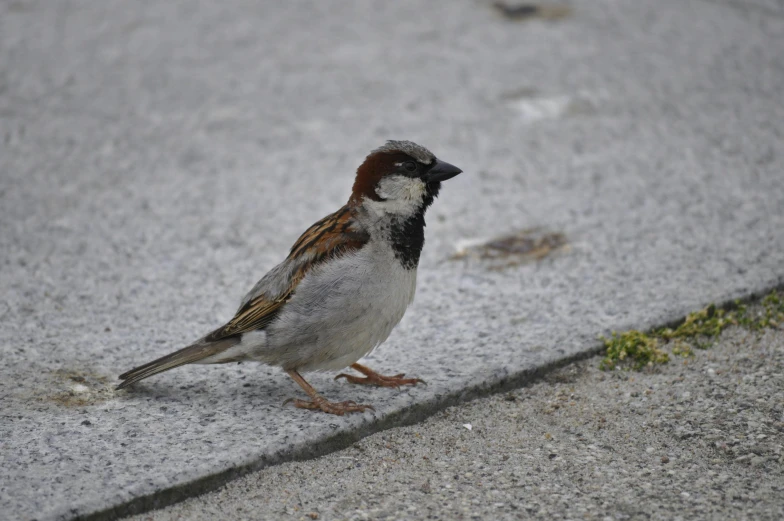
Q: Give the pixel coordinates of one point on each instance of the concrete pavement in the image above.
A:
(699, 438)
(157, 158)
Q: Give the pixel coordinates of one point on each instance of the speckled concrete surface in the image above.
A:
(699, 438)
(157, 158)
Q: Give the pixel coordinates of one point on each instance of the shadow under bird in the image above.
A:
(343, 287)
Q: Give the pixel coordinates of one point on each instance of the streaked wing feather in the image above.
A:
(337, 231)
(330, 237)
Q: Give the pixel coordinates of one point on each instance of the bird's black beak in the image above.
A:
(441, 171)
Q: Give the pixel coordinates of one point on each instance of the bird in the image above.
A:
(344, 286)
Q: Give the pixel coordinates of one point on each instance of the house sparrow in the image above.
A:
(344, 286)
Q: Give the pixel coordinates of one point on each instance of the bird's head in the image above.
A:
(401, 178)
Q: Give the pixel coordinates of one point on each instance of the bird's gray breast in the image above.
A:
(341, 310)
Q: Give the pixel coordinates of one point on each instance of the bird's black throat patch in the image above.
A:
(408, 235)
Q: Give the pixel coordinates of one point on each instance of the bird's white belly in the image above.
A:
(340, 312)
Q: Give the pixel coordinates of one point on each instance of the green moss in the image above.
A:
(681, 348)
(709, 322)
(640, 349)
(772, 312)
(646, 349)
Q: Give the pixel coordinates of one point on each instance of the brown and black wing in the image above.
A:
(333, 236)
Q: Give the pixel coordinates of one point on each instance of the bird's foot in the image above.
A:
(338, 408)
(373, 378)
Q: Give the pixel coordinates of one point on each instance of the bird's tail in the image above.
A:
(187, 355)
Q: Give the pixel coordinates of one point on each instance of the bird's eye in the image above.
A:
(410, 166)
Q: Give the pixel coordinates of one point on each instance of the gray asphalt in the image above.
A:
(157, 158)
(699, 438)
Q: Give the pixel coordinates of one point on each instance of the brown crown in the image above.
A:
(381, 162)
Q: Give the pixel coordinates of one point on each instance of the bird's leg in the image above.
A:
(373, 378)
(319, 402)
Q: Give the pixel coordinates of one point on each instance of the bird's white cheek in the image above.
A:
(401, 195)
(416, 190)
